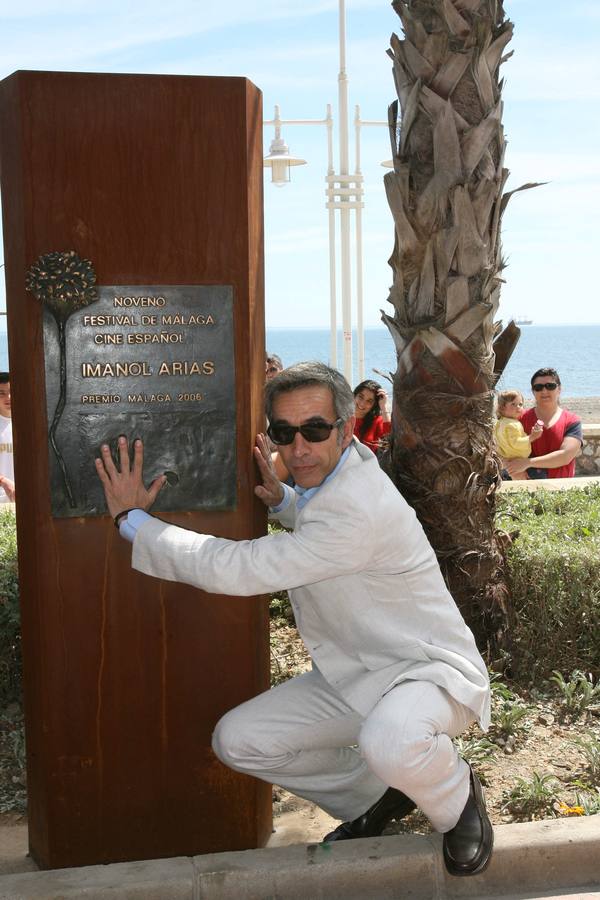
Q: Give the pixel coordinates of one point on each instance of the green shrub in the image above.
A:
(554, 575)
(475, 749)
(588, 803)
(10, 620)
(590, 748)
(279, 604)
(532, 798)
(578, 694)
(507, 718)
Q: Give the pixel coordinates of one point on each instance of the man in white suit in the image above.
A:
(366, 734)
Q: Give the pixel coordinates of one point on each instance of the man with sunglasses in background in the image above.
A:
(367, 733)
(554, 452)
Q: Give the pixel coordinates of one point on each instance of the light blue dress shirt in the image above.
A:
(304, 494)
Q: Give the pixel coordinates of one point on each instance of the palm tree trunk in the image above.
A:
(446, 197)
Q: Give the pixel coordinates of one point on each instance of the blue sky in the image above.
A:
(551, 119)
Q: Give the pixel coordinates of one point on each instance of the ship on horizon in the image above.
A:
(523, 320)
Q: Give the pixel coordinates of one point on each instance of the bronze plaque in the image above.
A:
(148, 361)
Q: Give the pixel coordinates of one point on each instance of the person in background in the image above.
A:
(372, 417)
(562, 436)
(7, 477)
(273, 366)
(509, 434)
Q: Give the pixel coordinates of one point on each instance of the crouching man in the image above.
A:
(367, 734)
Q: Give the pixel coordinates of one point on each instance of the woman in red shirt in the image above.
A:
(372, 416)
(555, 450)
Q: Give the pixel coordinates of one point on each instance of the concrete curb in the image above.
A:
(531, 858)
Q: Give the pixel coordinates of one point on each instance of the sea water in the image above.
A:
(574, 350)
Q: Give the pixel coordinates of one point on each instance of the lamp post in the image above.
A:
(344, 194)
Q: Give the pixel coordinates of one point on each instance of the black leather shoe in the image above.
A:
(468, 846)
(393, 805)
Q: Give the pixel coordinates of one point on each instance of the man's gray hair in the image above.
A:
(306, 374)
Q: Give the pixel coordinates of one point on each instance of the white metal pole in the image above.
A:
(277, 121)
(331, 214)
(360, 331)
(357, 124)
(344, 211)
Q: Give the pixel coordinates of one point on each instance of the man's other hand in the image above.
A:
(124, 487)
(271, 490)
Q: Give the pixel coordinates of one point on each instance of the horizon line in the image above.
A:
(374, 327)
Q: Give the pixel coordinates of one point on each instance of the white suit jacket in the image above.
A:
(367, 592)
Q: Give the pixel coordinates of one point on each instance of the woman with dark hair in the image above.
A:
(553, 452)
(372, 416)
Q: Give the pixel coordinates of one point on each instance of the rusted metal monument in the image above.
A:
(133, 244)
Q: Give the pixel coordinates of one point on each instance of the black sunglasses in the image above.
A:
(315, 432)
(549, 385)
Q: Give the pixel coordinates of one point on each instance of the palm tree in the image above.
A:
(447, 201)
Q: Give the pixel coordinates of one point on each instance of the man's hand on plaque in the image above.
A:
(124, 486)
(271, 490)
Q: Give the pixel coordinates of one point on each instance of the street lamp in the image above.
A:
(345, 194)
(280, 159)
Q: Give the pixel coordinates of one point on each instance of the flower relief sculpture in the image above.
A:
(64, 283)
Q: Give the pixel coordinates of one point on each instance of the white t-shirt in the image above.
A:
(6, 454)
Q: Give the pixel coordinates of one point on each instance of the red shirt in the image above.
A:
(568, 425)
(373, 435)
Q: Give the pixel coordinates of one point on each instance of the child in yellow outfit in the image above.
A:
(509, 434)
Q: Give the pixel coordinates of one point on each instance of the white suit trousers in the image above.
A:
(304, 737)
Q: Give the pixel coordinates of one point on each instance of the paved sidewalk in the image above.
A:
(13, 850)
(553, 858)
